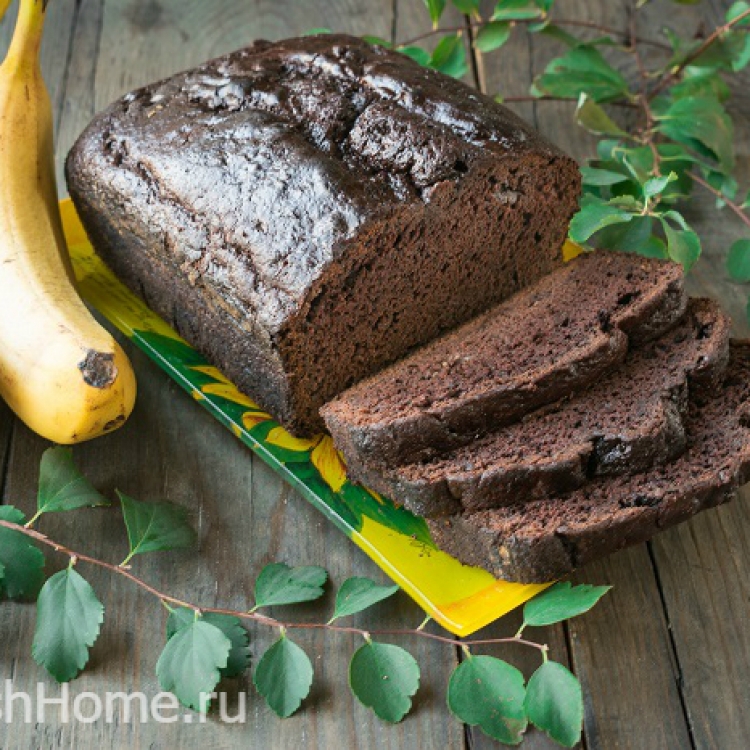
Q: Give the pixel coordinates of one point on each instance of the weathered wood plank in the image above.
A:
(622, 651)
(171, 448)
(623, 656)
(703, 565)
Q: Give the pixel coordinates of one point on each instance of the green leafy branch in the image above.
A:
(207, 644)
(662, 128)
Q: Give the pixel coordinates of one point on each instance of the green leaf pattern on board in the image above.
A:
(347, 506)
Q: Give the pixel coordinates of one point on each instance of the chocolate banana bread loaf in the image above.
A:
(546, 539)
(627, 422)
(305, 212)
(547, 341)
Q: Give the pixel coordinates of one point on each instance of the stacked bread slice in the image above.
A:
(581, 415)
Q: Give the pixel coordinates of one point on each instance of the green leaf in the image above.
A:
(601, 177)
(634, 237)
(683, 245)
(422, 56)
(492, 36)
(22, 562)
(67, 624)
(468, 7)
(316, 31)
(490, 693)
(284, 676)
(239, 654)
(155, 526)
(638, 161)
(356, 594)
(560, 602)
(702, 83)
(377, 40)
(582, 70)
(655, 185)
(449, 56)
(592, 117)
(277, 583)
(61, 485)
(435, 9)
(738, 260)
(554, 703)
(607, 148)
(384, 677)
(729, 54)
(703, 124)
(639, 164)
(737, 9)
(513, 10)
(593, 216)
(626, 202)
(725, 184)
(190, 664)
(557, 33)
(654, 248)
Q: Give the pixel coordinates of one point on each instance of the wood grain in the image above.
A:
(663, 659)
(623, 651)
(171, 448)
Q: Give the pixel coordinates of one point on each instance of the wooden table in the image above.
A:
(664, 659)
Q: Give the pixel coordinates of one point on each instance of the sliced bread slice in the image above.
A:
(546, 539)
(630, 420)
(553, 339)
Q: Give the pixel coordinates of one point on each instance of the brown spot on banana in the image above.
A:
(114, 423)
(98, 369)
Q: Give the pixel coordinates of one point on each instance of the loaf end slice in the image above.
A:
(307, 211)
(632, 419)
(542, 344)
(547, 539)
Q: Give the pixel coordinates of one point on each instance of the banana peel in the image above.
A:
(61, 372)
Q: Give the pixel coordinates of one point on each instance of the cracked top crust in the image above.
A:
(323, 133)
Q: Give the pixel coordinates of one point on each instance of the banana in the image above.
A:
(60, 371)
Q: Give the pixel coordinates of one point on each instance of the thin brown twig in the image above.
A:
(730, 204)
(555, 21)
(714, 36)
(254, 616)
(643, 96)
